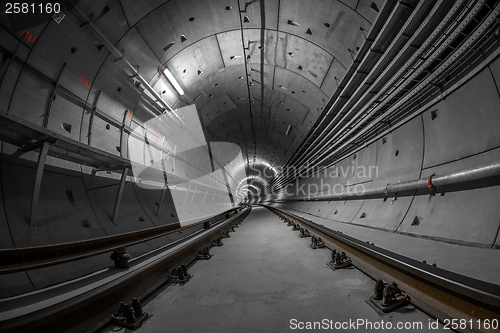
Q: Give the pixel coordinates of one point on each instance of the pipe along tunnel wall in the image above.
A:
(460, 132)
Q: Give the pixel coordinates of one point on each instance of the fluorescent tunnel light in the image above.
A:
(173, 81)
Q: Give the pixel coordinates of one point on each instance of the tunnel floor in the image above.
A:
(267, 279)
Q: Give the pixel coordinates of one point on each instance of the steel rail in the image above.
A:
(28, 258)
(91, 307)
(442, 294)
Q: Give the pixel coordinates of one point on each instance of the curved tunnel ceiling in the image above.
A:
(281, 79)
(292, 83)
(259, 72)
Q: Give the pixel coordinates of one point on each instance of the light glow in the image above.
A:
(250, 185)
(173, 81)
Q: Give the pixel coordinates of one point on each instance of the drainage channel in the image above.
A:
(460, 303)
(266, 279)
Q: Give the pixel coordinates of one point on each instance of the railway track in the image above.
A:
(89, 302)
(460, 303)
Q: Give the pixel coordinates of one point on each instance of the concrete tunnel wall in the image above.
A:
(463, 134)
(74, 203)
(77, 205)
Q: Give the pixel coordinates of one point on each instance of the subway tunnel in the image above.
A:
(326, 144)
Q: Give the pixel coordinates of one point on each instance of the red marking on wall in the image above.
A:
(28, 36)
(156, 133)
(83, 80)
(128, 113)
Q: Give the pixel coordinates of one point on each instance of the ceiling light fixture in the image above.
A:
(173, 81)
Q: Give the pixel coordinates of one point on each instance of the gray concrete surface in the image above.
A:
(477, 263)
(260, 280)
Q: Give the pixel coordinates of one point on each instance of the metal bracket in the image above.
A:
(120, 258)
(431, 186)
(52, 97)
(35, 145)
(162, 197)
(205, 196)
(386, 193)
(38, 182)
(96, 170)
(119, 195)
(165, 185)
(92, 114)
(339, 260)
(122, 129)
(123, 56)
(84, 24)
